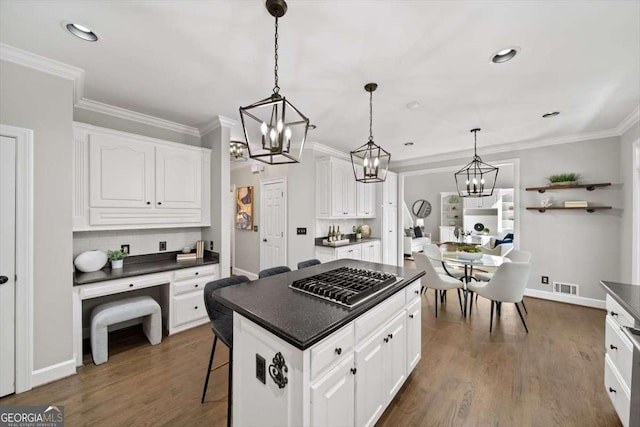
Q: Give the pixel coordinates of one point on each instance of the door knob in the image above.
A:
(3, 279)
(264, 240)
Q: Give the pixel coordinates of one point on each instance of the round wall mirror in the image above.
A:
(421, 208)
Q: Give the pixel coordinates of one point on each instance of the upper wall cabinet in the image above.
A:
(390, 190)
(125, 181)
(337, 195)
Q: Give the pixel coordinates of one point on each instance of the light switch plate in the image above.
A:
(163, 246)
(301, 230)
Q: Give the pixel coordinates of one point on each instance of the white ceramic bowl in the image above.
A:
(470, 256)
(90, 261)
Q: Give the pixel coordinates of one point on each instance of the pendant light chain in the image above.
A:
(276, 88)
(371, 116)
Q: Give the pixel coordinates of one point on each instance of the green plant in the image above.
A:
(116, 255)
(563, 177)
(486, 230)
(359, 229)
(470, 249)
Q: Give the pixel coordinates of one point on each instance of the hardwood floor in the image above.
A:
(552, 376)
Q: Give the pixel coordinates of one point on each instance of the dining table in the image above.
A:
(486, 263)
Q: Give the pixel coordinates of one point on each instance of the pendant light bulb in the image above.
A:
(287, 133)
(264, 128)
(279, 126)
(273, 135)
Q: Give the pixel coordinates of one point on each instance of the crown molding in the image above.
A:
(325, 149)
(218, 121)
(46, 65)
(629, 121)
(508, 147)
(122, 113)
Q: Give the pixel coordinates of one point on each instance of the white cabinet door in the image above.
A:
(414, 348)
(371, 252)
(333, 396)
(338, 188)
(323, 188)
(446, 234)
(395, 355)
(366, 200)
(351, 252)
(390, 235)
(390, 190)
(370, 385)
(350, 197)
(178, 178)
(121, 172)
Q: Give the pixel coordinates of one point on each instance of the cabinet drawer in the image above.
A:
(617, 391)
(619, 349)
(372, 320)
(123, 285)
(191, 285)
(190, 273)
(188, 307)
(412, 292)
(618, 313)
(331, 350)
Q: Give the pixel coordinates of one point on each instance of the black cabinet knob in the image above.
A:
(613, 347)
(338, 351)
(386, 339)
(196, 307)
(148, 203)
(612, 390)
(390, 336)
(411, 316)
(131, 285)
(353, 371)
(264, 240)
(613, 313)
(3, 279)
(197, 273)
(159, 203)
(196, 285)
(417, 292)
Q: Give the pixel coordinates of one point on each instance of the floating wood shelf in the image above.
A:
(589, 187)
(589, 209)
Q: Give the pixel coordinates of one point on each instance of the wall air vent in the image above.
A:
(566, 288)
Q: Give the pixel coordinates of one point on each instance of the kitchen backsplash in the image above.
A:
(139, 241)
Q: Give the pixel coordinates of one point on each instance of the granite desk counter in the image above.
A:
(291, 349)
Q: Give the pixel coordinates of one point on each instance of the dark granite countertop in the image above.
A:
(627, 295)
(352, 241)
(143, 264)
(300, 319)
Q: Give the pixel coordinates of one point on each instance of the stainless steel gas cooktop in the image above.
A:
(347, 286)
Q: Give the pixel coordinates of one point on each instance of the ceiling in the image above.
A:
(188, 61)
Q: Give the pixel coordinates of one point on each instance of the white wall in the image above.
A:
(42, 102)
(300, 212)
(569, 246)
(626, 180)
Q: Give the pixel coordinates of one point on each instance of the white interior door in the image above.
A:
(273, 220)
(7, 264)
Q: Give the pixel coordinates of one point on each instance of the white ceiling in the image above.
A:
(187, 61)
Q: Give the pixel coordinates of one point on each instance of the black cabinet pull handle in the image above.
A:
(131, 285)
(353, 371)
(390, 336)
(386, 339)
(411, 316)
(613, 313)
(417, 292)
(3, 279)
(338, 351)
(159, 203)
(612, 390)
(613, 347)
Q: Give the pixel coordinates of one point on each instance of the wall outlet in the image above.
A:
(545, 280)
(125, 249)
(211, 245)
(301, 230)
(255, 228)
(163, 246)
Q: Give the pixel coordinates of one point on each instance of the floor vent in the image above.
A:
(565, 288)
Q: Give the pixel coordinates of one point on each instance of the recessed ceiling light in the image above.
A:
(82, 32)
(413, 105)
(551, 114)
(408, 144)
(504, 55)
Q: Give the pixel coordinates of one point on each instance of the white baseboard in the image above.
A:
(53, 372)
(239, 272)
(569, 299)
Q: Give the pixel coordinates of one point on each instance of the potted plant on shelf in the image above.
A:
(486, 230)
(359, 232)
(116, 258)
(564, 179)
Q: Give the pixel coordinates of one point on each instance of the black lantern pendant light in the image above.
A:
(274, 129)
(370, 161)
(238, 151)
(477, 179)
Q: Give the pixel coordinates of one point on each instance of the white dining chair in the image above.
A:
(435, 281)
(500, 250)
(435, 255)
(506, 285)
(514, 255)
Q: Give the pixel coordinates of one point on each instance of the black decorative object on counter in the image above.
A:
(278, 370)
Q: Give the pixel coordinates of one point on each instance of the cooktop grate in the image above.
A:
(347, 286)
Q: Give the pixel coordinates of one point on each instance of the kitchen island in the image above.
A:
(299, 360)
